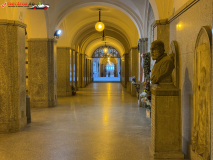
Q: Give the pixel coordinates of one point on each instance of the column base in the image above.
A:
(129, 87)
(13, 126)
(167, 155)
(43, 104)
(63, 94)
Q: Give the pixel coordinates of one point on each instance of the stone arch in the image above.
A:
(154, 8)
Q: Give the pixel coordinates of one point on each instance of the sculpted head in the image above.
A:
(157, 49)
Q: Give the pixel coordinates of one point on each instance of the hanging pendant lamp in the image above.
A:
(103, 37)
(105, 50)
(99, 26)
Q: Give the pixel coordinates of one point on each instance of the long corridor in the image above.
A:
(102, 122)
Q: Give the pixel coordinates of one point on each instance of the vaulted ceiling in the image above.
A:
(125, 20)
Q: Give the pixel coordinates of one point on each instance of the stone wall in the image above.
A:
(184, 29)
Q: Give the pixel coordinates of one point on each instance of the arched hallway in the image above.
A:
(101, 122)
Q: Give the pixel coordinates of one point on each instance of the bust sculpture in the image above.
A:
(163, 66)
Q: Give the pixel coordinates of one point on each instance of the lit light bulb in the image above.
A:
(99, 26)
(105, 50)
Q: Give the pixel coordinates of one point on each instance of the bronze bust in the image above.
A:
(163, 66)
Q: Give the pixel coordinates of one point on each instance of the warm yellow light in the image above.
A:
(99, 26)
(105, 50)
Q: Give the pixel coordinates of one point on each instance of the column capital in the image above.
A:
(160, 22)
(12, 23)
(142, 40)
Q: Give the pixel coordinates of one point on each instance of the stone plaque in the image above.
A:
(202, 96)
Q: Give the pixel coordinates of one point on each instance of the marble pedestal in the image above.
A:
(166, 122)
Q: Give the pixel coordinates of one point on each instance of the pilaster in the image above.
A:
(42, 72)
(162, 27)
(12, 76)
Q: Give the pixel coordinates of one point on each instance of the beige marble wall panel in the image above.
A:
(184, 30)
(42, 75)
(63, 71)
(12, 78)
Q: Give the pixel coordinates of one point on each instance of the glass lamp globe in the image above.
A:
(99, 26)
(105, 50)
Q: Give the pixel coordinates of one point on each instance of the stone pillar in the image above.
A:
(166, 139)
(12, 76)
(42, 73)
(124, 70)
(134, 68)
(143, 48)
(76, 70)
(86, 72)
(63, 71)
(84, 67)
(101, 73)
(80, 75)
(162, 29)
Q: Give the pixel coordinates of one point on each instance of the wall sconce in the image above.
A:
(57, 33)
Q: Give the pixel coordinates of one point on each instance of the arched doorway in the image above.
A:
(106, 66)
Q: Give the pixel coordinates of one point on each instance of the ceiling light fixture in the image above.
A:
(105, 50)
(103, 37)
(99, 26)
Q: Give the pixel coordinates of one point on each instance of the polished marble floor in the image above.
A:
(102, 122)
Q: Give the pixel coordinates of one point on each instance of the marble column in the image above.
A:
(134, 68)
(162, 29)
(12, 76)
(80, 76)
(124, 70)
(42, 73)
(101, 73)
(63, 71)
(76, 70)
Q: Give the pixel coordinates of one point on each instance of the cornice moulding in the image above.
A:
(13, 23)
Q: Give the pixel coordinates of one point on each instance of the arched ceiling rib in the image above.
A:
(120, 31)
(93, 45)
(83, 41)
